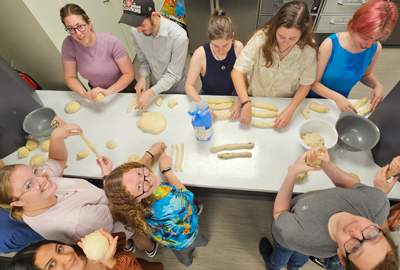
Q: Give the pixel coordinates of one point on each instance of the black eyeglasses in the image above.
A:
(145, 186)
(368, 233)
(80, 28)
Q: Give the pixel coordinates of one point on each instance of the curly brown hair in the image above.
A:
(125, 208)
(6, 189)
(293, 14)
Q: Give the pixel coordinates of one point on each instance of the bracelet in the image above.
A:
(150, 154)
(104, 177)
(244, 103)
(166, 170)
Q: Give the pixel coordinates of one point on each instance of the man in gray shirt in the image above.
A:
(346, 220)
(161, 46)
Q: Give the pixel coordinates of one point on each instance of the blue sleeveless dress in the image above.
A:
(344, 68)
(217, 81)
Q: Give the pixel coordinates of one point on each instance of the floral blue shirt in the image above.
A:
(174, 217)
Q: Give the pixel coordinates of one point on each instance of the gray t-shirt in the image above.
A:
(305, 227)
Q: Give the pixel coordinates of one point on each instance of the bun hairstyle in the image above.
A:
(220, 26)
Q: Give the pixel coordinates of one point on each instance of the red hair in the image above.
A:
(376, 15)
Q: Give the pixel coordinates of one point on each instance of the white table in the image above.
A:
(274, 150)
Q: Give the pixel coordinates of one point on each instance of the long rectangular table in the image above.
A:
(265, 171)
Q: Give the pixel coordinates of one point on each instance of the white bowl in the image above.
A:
(324, 128)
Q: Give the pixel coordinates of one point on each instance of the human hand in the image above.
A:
(300, 166)
(376, 96)
(213, 115)
(67, 130)
(245, 116)
(165, 162)
(140, 86)
(313, 154)
(395, 165)
(105, 165)
(144, 100)
(283, 119)
(157, 148)
(380, 181)
(88, 96)
(97, 90)
(344, 104)
(234, 112)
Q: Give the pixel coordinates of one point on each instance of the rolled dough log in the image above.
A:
(355, 176)
(100, 97)
(152, 122)
(172, 103)
(301, 176)
(312, 139)
(32, 145)
(134, 158)
(82, 154)
(219, 100)
(23, 152)
(305, 113)
(177, 159)
(262, 124)
(359, 103)
(132, 104)
(234, 155)
(222, 115)
(319, 107)
(172, 151)
(111, 144)
(72, 107)
(232, 146)
(180, 162)
(264, 105)
(366, 110)
(159, 101)
(315, 162)
(95, 245)
(390, 174)
(37, 159)
(264, 114)
(221, 106)
(45, 145)
(90, 145)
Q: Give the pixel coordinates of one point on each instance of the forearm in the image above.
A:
(338, 177)
(192, 93)
(240, 85)
(146, 158)
(173, 180)
(284, 197)
(121, 84)
(370, 80)
(300, 95)
(75, 85)
(58, 150)
(324, 91)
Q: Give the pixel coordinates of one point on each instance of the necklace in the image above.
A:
(222, 67)
(62, 198)
(280, 53)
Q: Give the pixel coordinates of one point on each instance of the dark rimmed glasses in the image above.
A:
(32, 183)
(145, 185)
(368, 233)
(80, 28)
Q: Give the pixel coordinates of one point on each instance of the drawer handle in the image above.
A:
(284, 2)
(351, 4)
(336, 23)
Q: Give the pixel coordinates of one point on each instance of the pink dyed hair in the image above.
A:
(376, 15)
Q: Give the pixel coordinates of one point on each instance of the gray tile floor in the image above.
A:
(234, 227)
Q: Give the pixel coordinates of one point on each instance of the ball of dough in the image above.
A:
(32, 145)
(152, 122)
(315, 162)
(72, 107)
(46, 145)
(37, 159)
(312, 139)
(23, 152)
(301, 176)
(95, 245)
(82, 154)
(159, 101)
(111, 144)
(133, 158)
(172, 103)
(355, 176)
(100, 97)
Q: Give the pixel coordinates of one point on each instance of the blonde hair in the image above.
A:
(124, 206)
(6, 189)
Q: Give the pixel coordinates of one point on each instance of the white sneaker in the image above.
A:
(153, 253)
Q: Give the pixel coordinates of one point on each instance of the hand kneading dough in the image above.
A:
(95, 245)
(32, 145)
(134, 158)
(46, 145)
(72, 107)
(301, 176)
(315, 162)
(172, 103)
(37, 159)
(159, 101)
(312, 139)
(152, 122)
(319, 108)
(23, 152)
(82, 154)
(100, 97)
(390, 174)
(111, 144)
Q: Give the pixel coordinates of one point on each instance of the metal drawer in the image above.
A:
(342, 6)
(332, 23)
(271, 6)
(263, 20)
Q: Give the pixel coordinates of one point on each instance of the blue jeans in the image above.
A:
(281, 257)
(333, 263)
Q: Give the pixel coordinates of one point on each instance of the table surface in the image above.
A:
(265, 171)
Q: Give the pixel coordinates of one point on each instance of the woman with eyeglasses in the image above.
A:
(349, 57)
(58, 208)
(165, 213)
(98, 57)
